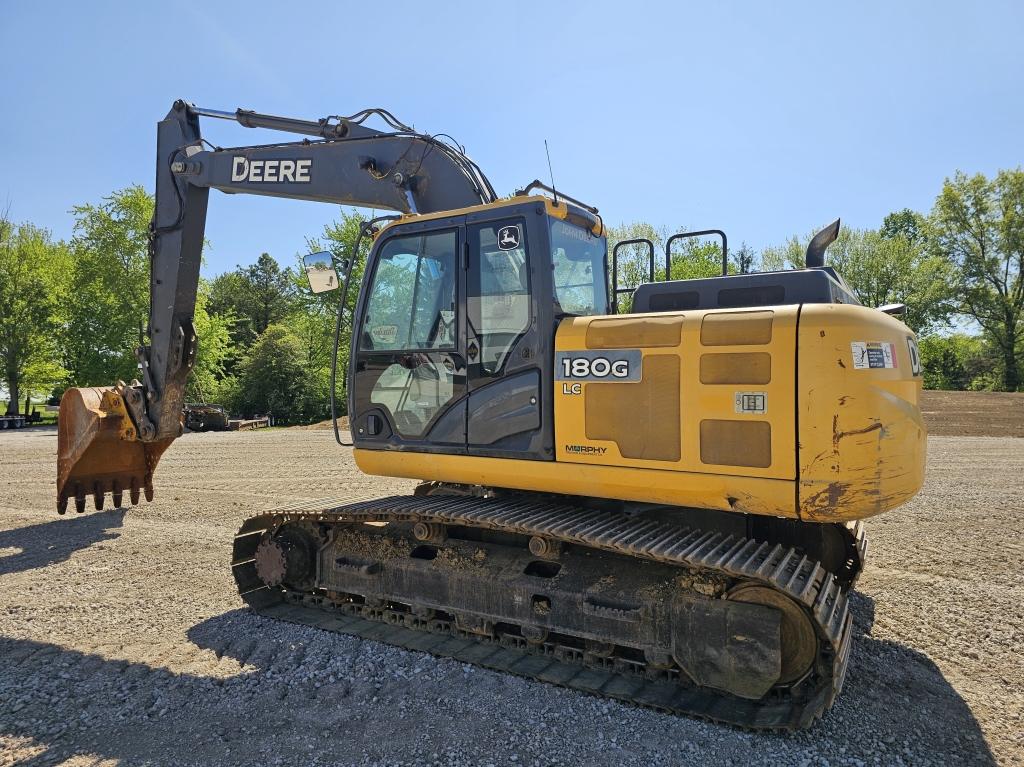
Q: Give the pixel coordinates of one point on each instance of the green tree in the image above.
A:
(742, 260)
(209, 381)
(956, 362)
(907, 223)
(32, 270)
(259, 295)
(273, 377)
(108, 302)
(978, 225)
(788, 255)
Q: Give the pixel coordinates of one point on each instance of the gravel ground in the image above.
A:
(122, 640)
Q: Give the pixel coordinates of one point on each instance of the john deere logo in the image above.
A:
(271, 171)
(508, 237)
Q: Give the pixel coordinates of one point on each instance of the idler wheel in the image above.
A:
(798, 642)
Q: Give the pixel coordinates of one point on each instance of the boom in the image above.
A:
(347, 163)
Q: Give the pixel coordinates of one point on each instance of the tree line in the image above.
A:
(72, 312)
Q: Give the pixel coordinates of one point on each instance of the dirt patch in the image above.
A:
(453, 559)
(708, 584)
(973, 413)
(380, 547)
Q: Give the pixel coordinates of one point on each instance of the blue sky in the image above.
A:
(764, 119)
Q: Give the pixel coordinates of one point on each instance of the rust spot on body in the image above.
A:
(825, 501)
(837, 435)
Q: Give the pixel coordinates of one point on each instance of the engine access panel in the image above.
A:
(805, 411)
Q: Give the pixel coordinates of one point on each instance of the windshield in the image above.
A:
(578, 258)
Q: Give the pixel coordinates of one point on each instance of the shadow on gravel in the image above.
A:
(72, 703)
(69, 703)
(889, 685)
(51, 542)
(885, 681)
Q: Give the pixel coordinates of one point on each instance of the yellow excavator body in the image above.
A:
(774, 411)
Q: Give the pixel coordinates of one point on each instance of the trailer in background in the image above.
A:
(20, 420)
(239, 424)
(216, 418)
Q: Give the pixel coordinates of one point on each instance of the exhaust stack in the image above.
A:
(819, 243)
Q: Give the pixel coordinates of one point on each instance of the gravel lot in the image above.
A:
(122, 640)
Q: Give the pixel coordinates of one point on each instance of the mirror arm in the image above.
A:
(342, 301)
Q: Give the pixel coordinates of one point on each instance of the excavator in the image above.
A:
(659, 501)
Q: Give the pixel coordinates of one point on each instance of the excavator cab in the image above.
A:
(454, 327)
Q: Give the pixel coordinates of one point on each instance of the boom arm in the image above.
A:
(351, 165)
(347, 163)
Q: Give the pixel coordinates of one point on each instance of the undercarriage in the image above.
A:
(638, 605)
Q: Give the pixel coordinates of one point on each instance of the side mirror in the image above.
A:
(320, 272)
(897, 310)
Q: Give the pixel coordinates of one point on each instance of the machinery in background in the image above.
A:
(202, 417)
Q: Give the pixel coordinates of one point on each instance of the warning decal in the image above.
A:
(873, 354)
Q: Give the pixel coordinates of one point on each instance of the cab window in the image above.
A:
(578, 263)
(499, 295)
(412, 300)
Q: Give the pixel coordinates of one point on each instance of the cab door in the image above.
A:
(409, 375)
(502, 351)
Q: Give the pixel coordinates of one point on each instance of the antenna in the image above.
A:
(551, 173)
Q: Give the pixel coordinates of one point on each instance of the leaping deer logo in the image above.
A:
(508, 237)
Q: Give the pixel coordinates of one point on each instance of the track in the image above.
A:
(558, 659)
